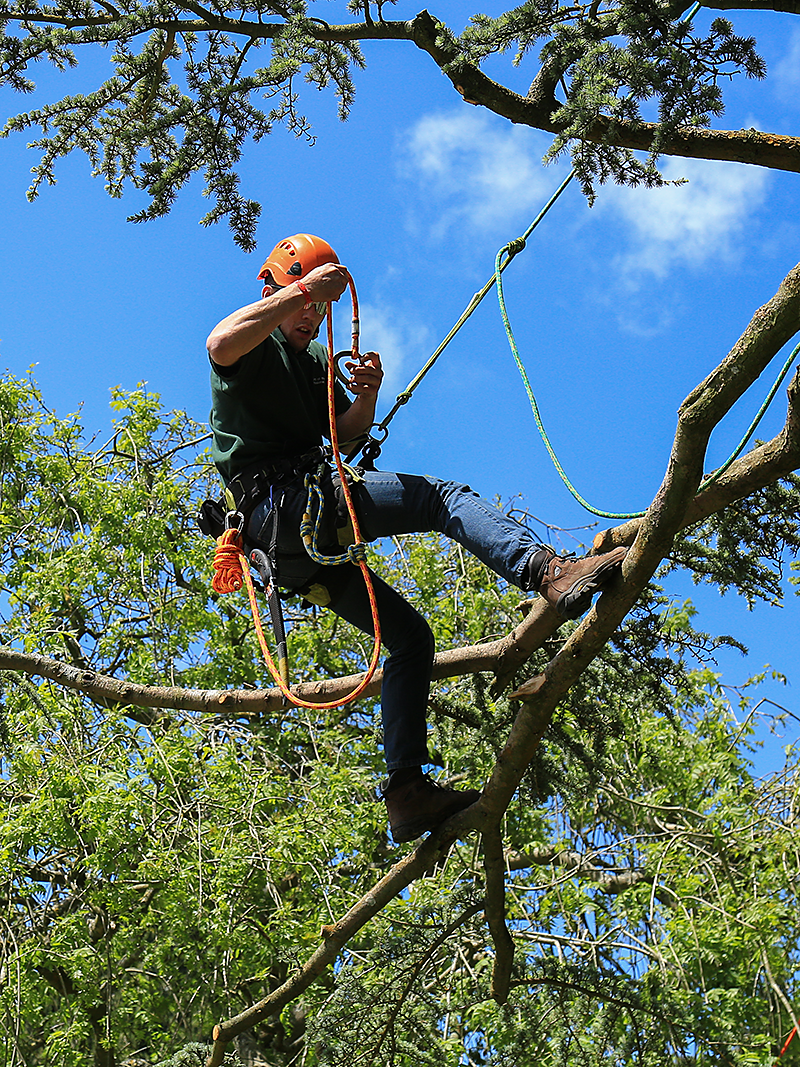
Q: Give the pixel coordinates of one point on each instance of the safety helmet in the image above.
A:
(295, 256)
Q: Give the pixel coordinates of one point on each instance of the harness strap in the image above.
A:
(250, 486)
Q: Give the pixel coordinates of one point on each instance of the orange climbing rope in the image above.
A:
(792, 1034)
(232, 568)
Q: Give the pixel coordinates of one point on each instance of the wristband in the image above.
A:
(304, 290)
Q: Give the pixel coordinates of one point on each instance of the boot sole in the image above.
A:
(410, 831)
(578, 599)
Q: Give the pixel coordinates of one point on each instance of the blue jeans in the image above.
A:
(390, 504)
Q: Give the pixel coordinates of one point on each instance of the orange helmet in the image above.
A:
(295, 256)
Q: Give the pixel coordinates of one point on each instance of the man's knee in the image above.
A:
(409, 632)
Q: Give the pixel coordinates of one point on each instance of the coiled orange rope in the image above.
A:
(232, 568)
(227, 564)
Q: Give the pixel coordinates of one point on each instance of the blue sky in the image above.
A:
(619, 310)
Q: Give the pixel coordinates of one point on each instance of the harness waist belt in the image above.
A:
(250, 486)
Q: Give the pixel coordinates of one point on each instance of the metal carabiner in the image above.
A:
(234, 520)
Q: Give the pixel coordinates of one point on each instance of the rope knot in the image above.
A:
(515, 246)
(357, 553)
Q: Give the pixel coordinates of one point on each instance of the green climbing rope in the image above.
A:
(513, 248)
(504, 257)
(545, 438)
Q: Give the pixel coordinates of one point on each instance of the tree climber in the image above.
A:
(269, 416)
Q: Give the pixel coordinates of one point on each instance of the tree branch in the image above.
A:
(334, 937)
(494, 863)
(706, 405)
(776, 151)
(611, 882)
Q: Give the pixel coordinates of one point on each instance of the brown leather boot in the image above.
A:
(568, 584)
(421, 805)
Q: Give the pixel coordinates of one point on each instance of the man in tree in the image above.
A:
(269, 416)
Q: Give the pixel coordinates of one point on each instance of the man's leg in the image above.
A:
(391, 504)
(414, 802)
(407, 670)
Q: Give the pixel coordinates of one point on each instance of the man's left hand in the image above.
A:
(365, 376)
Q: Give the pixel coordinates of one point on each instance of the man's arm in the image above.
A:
(365, 382)
(241, 331)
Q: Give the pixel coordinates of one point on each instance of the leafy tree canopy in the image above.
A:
(180, 849)
(160, 868)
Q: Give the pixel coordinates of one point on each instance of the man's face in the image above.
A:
(302, 327)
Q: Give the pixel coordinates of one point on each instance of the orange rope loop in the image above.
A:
(232, 566)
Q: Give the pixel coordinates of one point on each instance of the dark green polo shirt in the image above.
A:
(270, 405)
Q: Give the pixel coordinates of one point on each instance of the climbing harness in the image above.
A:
(233, 568)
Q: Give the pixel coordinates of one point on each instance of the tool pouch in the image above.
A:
(211, 518)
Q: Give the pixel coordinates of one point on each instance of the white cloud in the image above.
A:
(401, 342)
(476, 170)
(785, 74)
(687, 224)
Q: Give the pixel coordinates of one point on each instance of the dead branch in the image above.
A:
(419, 966)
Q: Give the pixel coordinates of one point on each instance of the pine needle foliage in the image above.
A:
(185, 83)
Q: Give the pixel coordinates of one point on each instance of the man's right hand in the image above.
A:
(326, 282)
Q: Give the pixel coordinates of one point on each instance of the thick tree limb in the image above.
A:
(776, 151)
(506, 654)
(750, 146)
(770, 328)
(494, 864)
